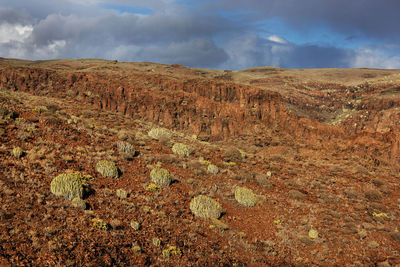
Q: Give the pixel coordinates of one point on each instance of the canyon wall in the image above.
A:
(211, 109)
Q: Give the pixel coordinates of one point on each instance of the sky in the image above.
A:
(214, 34)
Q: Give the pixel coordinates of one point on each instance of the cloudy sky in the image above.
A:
(218, 34)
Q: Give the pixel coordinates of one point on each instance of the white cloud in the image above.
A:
(277, 39)
(19, 33)
(370, 58)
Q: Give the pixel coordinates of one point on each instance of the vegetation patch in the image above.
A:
(99, 224)
(212, 169)
(126, 150)
(159, 133)
(78, 203)
(17, 152)
(107, 169)
(153, 188)
(171, 251)
(181, 149)
(205, 207)
(245, 196)
(160, 176)
(121, 193)
(70, 185)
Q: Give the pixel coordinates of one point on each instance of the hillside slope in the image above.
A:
(319, 148)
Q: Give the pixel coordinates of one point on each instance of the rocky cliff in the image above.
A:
(362, 118)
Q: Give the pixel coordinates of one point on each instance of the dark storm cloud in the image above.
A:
(253, 51)
(7, 15)
(159, 37)
(372, 18)
(195, 53)
(312, 56)
(198, 33)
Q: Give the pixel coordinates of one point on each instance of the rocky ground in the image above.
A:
(319, 148)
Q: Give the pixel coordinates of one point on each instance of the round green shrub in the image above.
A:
(160, 176)
(17, 152)
(212, 169)
(245, 196)
(67, 185)
(181, 149)
(205, 207)
(126, 150)
(107, 169)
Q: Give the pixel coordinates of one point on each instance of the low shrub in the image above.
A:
(135, 225)
(156, 242)
(212, 169)
(107, 169)
(245, 196)
(181, 149)
(153, 188)
(69, 185)
(78, 203)
(99, 224)
(5, 113)
(121, 193)
(205, 207)
(17, 152)
(171, 251)
(159, 133)
(126, 150)
(160, 176)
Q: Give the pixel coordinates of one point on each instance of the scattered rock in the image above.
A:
(372, 244)
(115, 224)
(396, 236)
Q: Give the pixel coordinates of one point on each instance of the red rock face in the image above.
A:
(215, 110)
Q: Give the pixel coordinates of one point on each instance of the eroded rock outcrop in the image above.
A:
(216, 109)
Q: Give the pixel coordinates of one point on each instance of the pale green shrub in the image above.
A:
(205, 207)
(135, 225)
(212, 169)
(68, 185)
(245, 196)
(160, 176)
(181, 149)
(107, 169)
(78, 203)
(126, 150)
(159, 133)
(121, 193)
(17, 152)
